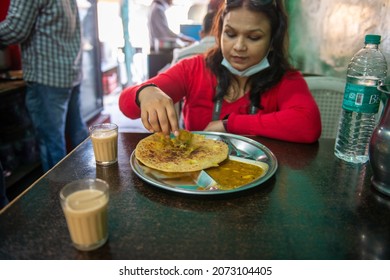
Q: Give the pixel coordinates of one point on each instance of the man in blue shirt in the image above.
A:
(49, 34)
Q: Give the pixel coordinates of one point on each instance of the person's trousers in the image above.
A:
(3, 195)
(55, 112)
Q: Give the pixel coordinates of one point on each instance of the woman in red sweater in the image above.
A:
(245, 85)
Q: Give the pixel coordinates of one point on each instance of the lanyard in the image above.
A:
(218, 107)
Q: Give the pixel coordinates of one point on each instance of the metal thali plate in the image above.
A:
(200, 183)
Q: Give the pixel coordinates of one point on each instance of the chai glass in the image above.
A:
(84, 203)
(104, 138)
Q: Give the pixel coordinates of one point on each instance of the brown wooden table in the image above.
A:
(314, 207)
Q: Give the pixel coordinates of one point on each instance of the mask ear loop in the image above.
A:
(270, 48)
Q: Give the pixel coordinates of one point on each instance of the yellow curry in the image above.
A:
(231, 174)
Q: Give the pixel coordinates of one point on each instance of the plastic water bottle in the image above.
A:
(366, 70)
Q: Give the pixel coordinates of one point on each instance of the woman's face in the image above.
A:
(246, 38)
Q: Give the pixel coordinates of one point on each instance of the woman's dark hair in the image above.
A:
(207, 23)
(277, 57)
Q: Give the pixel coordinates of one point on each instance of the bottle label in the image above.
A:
(361, 99)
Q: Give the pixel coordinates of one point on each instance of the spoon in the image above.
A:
(235, 151)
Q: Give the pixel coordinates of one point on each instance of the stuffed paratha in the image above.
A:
(186, 153)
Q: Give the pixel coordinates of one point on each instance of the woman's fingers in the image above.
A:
(145, 120)
(173, 120)
(159, 115)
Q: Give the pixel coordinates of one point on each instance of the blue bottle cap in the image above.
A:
(372, 39)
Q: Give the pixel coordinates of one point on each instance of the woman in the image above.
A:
(244, 85)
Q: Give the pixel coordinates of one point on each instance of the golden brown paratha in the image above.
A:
(186, 153)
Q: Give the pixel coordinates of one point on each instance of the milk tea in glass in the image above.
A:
(105, 143)
(84, 203)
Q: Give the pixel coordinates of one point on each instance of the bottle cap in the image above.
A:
(372, 39)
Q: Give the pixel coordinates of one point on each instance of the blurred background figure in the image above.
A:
(214, 5)
(3, 197)
(50, 38)
(13, 51)
(158, 25)
(207, 40)
(196, 12)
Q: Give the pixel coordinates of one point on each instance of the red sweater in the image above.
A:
(290, 112)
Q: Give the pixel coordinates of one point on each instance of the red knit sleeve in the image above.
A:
(127, 103)
(174, 82)
(290, 113)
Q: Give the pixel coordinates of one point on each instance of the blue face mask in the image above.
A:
(263, 64)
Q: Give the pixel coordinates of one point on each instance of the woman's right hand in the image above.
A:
(158, 112)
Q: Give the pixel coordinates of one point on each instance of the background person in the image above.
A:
(49, 33)
(3, 194)
(158, 24)
(206, 42)
(245, 85)
(14, 50)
